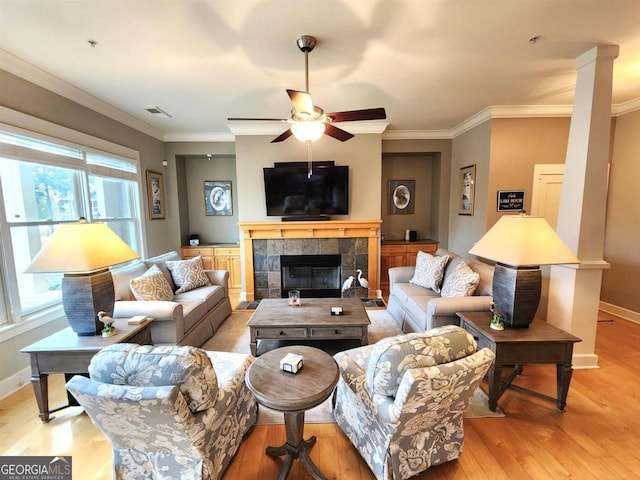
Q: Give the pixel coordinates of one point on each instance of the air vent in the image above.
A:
(157, 111)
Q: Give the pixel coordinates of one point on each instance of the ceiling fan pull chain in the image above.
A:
(309, 159)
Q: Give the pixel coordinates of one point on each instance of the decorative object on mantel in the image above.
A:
(84, 252)
(519, 244)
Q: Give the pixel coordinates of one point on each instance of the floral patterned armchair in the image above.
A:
(401, 400)
(169, 412)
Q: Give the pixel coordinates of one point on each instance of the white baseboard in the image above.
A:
(584, 361)
(15, 382)
(620, 312)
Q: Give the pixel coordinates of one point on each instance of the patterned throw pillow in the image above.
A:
(429, 271)
(188, 274)
(151, 285)
(461, 282)
(188, 368)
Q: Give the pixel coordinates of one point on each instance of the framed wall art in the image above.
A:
(156, 195)
(217, 197)
(401, 196)
(467, 189)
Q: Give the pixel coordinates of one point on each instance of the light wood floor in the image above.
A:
(598, 436)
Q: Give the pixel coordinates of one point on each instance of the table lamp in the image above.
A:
(519, 244)
(84, 252)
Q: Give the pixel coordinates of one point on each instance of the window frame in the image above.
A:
(32, 127)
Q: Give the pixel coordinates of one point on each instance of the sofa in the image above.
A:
(447, 283)
(401, 401)
(169, 412)
(186, 312)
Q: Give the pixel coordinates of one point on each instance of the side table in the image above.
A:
(292, 394)
(540, 343)
(65, 352)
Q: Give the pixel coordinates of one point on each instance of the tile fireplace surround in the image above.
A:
(357, 241)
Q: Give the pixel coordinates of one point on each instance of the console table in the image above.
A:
(65, 352)
(540, 343)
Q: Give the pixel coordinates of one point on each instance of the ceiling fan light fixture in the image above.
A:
(308, 131)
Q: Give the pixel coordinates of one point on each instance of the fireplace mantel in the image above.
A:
(324, 229)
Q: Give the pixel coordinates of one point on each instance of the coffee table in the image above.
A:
(274, 319)
(292, 394)
(66, 352)
(540, 343)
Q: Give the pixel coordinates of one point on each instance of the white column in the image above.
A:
(574, 291)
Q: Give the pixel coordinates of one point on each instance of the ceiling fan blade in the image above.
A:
(283, 136)
(301, 102)
(257, 119)
(337, 133)
(355, 115)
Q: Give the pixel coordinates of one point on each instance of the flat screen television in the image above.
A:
(290, 192)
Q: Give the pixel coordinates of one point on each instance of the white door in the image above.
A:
(545, 202)
(546, 192)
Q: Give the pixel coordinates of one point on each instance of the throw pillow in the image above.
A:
(188, 368)
(188, 274)
(429, 271)
(151, 285)
(461, 282)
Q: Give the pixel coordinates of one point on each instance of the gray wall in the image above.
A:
(620, 285)
(416, 167)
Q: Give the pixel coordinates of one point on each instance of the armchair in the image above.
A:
(401, 401)
(169, 412)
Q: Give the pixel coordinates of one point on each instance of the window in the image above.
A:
(44, 182)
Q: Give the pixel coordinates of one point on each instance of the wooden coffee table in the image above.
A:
(274, 319)
(292, 394)
(66, 352)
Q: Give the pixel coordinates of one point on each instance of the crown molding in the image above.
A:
(199, 137)
(33, 74)
(30, 73)
(277, 127)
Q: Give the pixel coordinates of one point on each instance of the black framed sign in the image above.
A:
(510, 200)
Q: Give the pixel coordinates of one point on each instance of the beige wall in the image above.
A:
(471, 148)
(362, 154)
(516, 146)
(621, 283)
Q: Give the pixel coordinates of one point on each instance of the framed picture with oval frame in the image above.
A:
(217, 197)
(401, 196)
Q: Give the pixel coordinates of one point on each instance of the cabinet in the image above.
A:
(400, 254)
(218, 258)
(228, 258)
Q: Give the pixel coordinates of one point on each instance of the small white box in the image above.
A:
(291, 362)
(137, 320)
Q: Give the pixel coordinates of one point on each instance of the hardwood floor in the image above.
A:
(598, 436)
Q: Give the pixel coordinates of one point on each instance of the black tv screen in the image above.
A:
(289, 191)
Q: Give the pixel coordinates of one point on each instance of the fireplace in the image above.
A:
(315, 276)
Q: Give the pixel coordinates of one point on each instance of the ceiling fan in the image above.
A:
(308, 122)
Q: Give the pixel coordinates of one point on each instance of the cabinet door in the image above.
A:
(205, 253)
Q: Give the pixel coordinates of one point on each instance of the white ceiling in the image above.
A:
(431, 63)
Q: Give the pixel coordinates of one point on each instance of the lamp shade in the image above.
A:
(519, 244)
(81, 248)
(308, 130)
(521, 240)
(83, 252)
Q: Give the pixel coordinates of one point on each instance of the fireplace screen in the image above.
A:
(314, 275)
